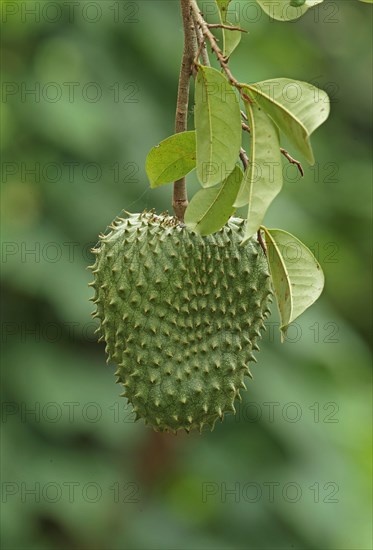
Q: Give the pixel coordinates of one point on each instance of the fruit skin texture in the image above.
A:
(181, 316)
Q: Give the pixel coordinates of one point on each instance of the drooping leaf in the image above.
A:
(231, 39)
(298, 108)
(210, 209)
(218, 126)
(263, 177)
(172, 159)
(287, 10)
(297, 277)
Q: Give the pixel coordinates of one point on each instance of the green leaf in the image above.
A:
(231, 39)
(367, 1)
(223, 9)
(287, 10)
(297, 277)
(298, 108)
(263, 177)
(210, 209)
(172, 159)
(218, 126)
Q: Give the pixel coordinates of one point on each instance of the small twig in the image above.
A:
(201, 45)
(202, 51)
(246, 97)
(261, 242)
(228, 27)
(292, 160)
(213, 43)
(244, 159)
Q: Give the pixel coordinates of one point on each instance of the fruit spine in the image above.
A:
(181, 316)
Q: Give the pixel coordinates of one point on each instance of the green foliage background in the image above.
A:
(50, 358)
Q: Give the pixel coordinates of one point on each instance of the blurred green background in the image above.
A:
(87, 89)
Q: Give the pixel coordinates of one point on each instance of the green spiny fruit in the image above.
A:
(181, 316)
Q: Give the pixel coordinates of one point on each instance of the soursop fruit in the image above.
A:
(181, 316)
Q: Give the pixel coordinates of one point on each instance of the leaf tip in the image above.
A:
(283, 332)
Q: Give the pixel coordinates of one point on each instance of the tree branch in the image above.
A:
(180, 198)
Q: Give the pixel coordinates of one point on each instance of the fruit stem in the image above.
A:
(180, 197)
